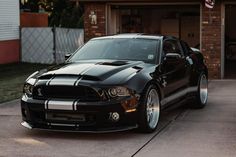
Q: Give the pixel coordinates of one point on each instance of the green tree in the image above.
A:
(33, 5)
(66, 14)
(62, 13)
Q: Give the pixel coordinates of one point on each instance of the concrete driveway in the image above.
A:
(183, 132)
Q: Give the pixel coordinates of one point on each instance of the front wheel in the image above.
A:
(149, 110)
(202, 94)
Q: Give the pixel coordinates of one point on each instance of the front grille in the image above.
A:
(82, 93)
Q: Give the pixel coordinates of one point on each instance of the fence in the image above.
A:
(48, 45)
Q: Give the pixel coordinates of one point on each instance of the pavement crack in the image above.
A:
(152, 138)
(181, 114)
(159, 131)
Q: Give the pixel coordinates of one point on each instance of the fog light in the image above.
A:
(114, 116)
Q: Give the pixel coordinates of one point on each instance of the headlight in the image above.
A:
(28, 89)
(29, 86)
(118, 92)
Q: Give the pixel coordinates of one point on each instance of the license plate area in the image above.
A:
(67, 117)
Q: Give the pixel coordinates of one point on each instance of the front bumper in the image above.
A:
(96, 116)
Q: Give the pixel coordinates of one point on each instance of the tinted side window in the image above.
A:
(186, 48)
(172, 46)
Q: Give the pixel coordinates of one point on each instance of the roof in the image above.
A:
(131, 35)
(139, 1)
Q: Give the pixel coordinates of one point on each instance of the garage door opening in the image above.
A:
(230, 42)
(180, 21)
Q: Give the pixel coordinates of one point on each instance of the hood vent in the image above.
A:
(45, 77)
(137, 68)
(90, 78)
(115, 63)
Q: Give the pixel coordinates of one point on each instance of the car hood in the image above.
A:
(106, 71)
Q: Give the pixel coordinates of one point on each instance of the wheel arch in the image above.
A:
(155, 83)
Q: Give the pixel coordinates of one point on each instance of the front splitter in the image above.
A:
(108, 130)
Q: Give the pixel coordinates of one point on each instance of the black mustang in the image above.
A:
(115, 83)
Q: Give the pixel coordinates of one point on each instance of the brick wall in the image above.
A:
(211, 39)
(99, 29)
(9, 51)
(33, 19)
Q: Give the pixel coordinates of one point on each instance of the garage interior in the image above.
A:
(230, 42)
(182, 21)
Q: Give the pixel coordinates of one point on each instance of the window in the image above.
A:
(186, 48)
(172, 46)
(119, 49)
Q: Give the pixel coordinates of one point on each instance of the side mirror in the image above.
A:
(67, 55)
(171, 56)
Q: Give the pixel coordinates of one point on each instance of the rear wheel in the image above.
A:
(202, 94)
(149, 110)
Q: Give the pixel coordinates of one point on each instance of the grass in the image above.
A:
(12, 77)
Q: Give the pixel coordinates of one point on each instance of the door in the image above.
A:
(230, 42)
(175, 69)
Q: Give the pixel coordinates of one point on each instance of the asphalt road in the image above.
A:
(183, 132)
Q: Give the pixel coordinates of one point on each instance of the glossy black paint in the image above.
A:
(172, 75)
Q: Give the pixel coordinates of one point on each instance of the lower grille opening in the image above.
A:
(66, 117)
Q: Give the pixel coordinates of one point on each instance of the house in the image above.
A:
(9, 31)
(211, 30)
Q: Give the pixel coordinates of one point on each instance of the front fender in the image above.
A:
(142, 80)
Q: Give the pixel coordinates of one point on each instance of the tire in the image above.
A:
(201, 98)
(149, 110)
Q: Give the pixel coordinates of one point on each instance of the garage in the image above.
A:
(230, 41)
(182, 21)
(190, 20)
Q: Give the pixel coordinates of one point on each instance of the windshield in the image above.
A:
(119, 49)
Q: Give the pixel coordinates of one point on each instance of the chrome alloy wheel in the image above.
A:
(203, 89)
(153, 108)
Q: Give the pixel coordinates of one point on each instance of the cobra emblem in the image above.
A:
(39, 90)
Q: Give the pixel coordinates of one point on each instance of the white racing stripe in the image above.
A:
(46, 104)
(63, 81)
(78, 81)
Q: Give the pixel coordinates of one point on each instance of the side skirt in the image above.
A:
(179, 98)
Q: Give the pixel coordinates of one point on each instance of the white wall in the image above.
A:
(9, 19)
